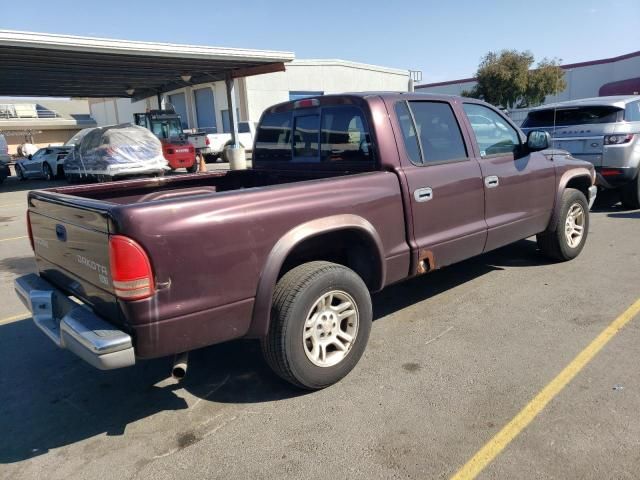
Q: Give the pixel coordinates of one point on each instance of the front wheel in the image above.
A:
(20, 173)
(566, 239)
(320, 322)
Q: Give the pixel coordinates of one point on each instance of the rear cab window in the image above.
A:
(328, 137)
(431, 132)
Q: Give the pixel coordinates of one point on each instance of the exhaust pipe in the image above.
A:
(180, 363)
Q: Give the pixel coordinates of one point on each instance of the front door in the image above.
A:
(519, 185)
(445, 182)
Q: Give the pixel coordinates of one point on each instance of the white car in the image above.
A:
(47, 163)
(213, 144)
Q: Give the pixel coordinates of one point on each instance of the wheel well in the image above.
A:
(581, 183)
(352, 248)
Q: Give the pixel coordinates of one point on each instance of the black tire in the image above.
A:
(630, 194)
(193, 168)
(554, 243)
(47, 172)
(295, 295)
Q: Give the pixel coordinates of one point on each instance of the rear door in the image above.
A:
(445, 181)
(519, 185)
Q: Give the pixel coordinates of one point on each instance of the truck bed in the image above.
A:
(154, 189)
(208, 237)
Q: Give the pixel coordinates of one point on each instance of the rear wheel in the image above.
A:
(566, 239)
(46, 172)
(630, 194)
(320, 323)
(193, 168)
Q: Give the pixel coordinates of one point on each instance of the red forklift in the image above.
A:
(167, 126)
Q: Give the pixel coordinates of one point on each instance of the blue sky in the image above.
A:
(444, 39)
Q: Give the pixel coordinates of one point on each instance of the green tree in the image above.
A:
(506, 79)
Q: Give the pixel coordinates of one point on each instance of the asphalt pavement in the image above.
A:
(453, 357)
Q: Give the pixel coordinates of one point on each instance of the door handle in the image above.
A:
(491, 181)
(423, 194)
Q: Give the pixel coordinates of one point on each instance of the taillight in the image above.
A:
(610, 172)
(30, 231)
(306, 103)
(618, 139)
(131, 272)
(206, 141)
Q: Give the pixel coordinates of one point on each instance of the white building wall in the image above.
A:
(263, 91)
(328, 76)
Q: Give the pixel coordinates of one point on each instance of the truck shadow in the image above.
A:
(50, 399)
(18, 265)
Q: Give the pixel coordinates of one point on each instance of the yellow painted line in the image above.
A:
(15, 318)
(510, 431)
(12, 238)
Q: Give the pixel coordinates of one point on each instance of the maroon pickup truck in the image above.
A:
(347, 194)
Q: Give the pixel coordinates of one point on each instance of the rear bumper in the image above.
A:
(4, 171)
(73, 326)
(614, 176)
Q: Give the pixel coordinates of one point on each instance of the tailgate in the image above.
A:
(198, 140)
(71, 244)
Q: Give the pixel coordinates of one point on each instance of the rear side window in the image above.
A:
(273, 139)
(408, 132)
(563, 117)
(344, 136)
(431, 132)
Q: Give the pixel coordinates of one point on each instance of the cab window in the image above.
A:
(493, 133)
(431, 132)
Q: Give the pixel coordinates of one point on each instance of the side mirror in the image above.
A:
(29, 157)
(538, 140)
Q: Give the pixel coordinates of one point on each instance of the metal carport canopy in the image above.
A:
(42, 64)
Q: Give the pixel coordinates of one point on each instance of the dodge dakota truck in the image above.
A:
(347, 194)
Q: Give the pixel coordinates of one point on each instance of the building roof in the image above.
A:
(619, 101)
(43, 64)
(44, 113)
(568, 66)
(336, 62)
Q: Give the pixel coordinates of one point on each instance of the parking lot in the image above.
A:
(453, 357)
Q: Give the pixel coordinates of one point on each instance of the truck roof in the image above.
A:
(387, 95)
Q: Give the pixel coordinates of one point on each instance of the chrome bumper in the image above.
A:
(593, 192)
(73, 326)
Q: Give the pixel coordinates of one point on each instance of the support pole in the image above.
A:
(235, 152)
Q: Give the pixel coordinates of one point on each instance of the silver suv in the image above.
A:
(604, 131)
